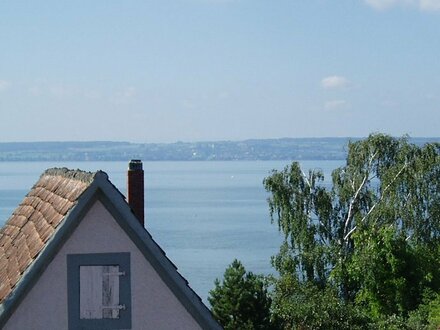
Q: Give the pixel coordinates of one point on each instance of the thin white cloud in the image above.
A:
(126, 95)
(215, 1)
(431, 96)
(389, 103)
(425, 5)
(92, 94)
(129, 92)
(384, 4)
(224, 95)
(61, 91)
(429, 5)
(188, 104)
(336, 105)
(35, 90)
(4, 85)
(335, 82)
(55, 90)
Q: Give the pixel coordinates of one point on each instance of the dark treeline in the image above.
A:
(258, 149)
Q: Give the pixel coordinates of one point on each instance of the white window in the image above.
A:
(99, 291)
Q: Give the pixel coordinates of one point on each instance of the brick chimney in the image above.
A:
(135, 188)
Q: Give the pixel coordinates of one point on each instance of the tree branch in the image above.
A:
(378, 202)
(305, 178)
(356, 195)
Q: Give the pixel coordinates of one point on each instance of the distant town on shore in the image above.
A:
(256, 149)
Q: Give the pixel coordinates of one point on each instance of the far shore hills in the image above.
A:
(256, 149)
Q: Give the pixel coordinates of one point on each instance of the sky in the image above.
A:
(208, 70)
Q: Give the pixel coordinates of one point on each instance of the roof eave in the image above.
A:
(103, 190)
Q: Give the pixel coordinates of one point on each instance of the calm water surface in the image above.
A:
(203, 214)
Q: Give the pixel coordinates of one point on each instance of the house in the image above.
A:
(75, 255)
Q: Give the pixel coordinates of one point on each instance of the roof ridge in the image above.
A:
(67, 173)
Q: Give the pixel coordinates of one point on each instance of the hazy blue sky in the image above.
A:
(191, 70)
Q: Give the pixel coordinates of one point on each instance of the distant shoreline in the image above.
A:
(256, 149)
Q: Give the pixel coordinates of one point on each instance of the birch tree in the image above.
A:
(385, 199)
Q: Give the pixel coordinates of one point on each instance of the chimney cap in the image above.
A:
(135, 165)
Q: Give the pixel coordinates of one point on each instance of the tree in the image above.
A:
(241, 300)
(392, 274)
(305, 305)
(372, 237)
(427, 316)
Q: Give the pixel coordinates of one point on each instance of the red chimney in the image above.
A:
(135, 189)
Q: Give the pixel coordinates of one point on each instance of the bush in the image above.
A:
(241, 300)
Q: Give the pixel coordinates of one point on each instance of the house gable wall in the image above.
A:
(154, 306)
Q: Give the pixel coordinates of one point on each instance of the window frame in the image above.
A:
(74, 261)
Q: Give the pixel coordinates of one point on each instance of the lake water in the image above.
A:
(202, 214)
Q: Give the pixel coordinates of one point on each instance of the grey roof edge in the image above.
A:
(103, 190)
(115, 203)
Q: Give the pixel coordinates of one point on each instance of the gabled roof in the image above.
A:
(47, 217)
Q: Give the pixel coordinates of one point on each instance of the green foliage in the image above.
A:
(372, 239)
(434, 313)
(241, 300)
(296, 200)
(304, 305)
(362, 254)
(391, 273)
(427, 316)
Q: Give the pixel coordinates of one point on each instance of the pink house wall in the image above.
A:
(153, 305)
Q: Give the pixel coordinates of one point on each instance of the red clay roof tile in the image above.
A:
(35, 220)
